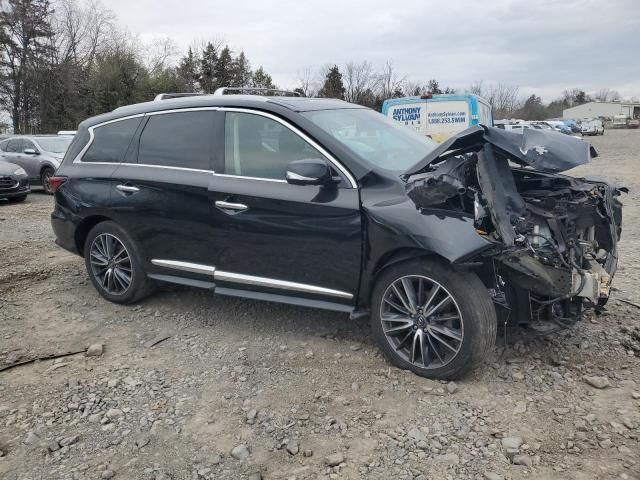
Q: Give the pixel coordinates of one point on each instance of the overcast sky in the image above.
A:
(543, 46)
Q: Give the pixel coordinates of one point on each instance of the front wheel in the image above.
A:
(432, 319)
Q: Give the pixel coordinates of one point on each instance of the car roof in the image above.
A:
(258, 102)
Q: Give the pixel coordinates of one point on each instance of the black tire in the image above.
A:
(44, 179)
(19, 199)
(475, 325)
(139, 285)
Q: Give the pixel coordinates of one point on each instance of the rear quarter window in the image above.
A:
(111, 141)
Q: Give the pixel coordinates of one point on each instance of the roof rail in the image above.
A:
(250, 90)
(167, 96)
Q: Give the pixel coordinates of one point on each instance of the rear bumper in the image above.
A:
(64, 229)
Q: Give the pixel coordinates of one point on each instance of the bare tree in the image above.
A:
(159, 53)
(306, 82)
(81, 31)
(359, 81)
(390, 82)
(503, 98)
(607, 95)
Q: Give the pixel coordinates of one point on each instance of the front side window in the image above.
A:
(28, 145)
(257, 146)
(375, 138)
(110, 141)
(4, 145)
(180, 139)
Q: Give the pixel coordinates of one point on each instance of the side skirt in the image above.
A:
(269, 297)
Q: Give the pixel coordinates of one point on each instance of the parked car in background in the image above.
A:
(619, 121)
(559, 126)
(327, 204)
(39, 155)
(572, 124)
(592, 127)
(14, 182)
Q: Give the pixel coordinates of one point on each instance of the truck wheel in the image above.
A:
(431, 319)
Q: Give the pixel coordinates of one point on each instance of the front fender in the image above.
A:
(394, 224)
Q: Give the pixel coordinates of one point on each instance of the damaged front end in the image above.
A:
(555, 235)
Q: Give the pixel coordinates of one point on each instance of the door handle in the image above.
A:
(236, 207)
(127, 188)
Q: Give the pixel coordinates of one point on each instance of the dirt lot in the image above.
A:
(243, 389)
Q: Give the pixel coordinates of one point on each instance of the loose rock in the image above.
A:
(597, 382)
(334, 459)
(95, 350)
(241, 452)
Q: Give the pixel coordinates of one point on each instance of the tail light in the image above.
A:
(55, 182)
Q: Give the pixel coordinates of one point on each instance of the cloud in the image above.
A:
(543, 46)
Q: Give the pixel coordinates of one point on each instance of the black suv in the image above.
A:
(326, 204)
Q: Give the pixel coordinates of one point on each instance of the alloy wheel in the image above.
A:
(110, 264)
(421, 321)
(48, 172)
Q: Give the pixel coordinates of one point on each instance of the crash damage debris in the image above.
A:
(551, 239)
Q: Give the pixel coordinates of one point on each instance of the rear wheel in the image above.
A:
(114, 265)
(433, 320)
(44, 179)
(19, 199)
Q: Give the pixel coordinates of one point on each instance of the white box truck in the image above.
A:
(439, 116)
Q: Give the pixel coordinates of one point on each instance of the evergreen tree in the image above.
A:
(333, 86)
(261, 79)
(206, 74)
(241, 71)
(187, 73)
(223, 70)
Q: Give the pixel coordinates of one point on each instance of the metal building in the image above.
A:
(603, 109)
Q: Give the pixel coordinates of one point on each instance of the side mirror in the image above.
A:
(312, 171)
(31, 151)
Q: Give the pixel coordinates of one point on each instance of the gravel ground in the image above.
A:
(249, 390)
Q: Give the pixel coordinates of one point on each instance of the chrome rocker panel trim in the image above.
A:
(249, 279)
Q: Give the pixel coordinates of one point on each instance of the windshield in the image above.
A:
(380, 141)
(55, 144)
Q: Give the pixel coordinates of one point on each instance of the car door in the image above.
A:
(272, 236)
(29, 161)
(160, 192)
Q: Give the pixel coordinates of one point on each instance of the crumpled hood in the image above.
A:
(544, 150)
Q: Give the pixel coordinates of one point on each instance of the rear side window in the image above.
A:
(110, 141)
(3, 145)
(181, 139)
(15, 145)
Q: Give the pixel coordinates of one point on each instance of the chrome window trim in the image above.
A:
(242, 177)
(169, 167)
(249, 279)
(305, 137)
(78, 158)
(351, 180)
